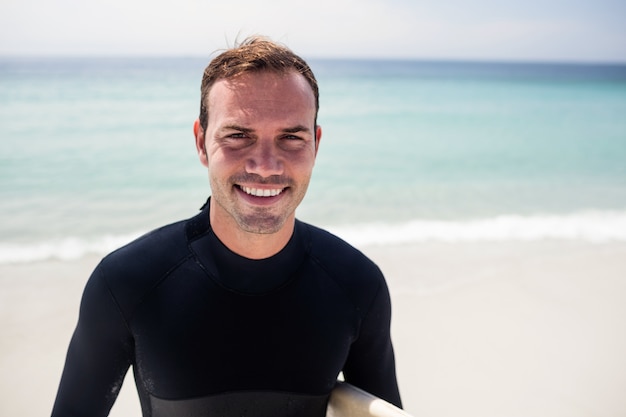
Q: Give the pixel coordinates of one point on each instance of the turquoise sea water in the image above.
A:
(96, 151)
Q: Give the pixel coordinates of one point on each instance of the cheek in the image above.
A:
(303, 164)
(221, 166)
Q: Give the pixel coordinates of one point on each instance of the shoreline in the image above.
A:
(586, 226)
(480, 329)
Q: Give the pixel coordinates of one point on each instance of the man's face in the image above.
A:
(260, 147)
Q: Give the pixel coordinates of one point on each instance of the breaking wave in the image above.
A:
(592, 227)
(67, 249)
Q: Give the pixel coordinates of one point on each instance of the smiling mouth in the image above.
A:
(261, 192)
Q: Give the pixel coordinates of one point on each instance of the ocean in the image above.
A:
(96, 151)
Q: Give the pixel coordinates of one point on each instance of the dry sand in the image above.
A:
(489, 330)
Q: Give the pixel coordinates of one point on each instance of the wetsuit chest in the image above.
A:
(220, 324)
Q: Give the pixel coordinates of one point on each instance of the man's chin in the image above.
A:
(261, 224)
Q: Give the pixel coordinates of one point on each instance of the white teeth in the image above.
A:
(258, 192)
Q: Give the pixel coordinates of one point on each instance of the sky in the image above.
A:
(502, 30)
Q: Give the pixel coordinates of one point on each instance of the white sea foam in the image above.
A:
(593, 227)
(67, 249)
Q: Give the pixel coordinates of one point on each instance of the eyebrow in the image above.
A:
(238, 128)
(294, 129)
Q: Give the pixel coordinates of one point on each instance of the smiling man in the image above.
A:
(241, 310)
(259, 144)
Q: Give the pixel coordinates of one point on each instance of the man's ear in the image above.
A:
(318, 137)
(198, 132)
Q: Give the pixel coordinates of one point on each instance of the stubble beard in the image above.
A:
(257, 220)
(261, 221)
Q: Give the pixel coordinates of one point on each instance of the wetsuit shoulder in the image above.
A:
(352, 270)
(134, 269)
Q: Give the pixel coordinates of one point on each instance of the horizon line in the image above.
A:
(425, 59)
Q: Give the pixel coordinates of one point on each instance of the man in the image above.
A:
(241, 310)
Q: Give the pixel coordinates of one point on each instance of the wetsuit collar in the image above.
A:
(238, 273)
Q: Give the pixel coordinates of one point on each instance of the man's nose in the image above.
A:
(265, 160)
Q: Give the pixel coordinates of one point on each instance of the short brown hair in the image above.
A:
(254, 54)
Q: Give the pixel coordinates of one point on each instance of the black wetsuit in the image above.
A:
(210, 333)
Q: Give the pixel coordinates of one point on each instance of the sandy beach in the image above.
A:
(488, 329)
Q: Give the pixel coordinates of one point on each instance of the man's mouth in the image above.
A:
(261, 192)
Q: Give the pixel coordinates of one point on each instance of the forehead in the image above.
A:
(261, 92)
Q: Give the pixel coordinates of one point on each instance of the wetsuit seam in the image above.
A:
(244, 391)
(217, 282)
(157, 283)
(275, 290)
(362, 313)
(368, 310)
(322, 265)
(196, 259)
(118, 307)
(199, 263)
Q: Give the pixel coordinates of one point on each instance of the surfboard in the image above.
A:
(349, 401)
